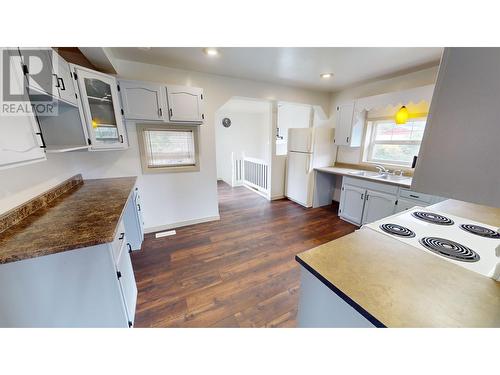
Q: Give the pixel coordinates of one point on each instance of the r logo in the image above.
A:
(39, 75)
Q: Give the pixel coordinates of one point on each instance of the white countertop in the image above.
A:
(403, 182)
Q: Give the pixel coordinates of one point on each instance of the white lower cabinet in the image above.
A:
(128, 287)
(88, 287)
(378, 205)
(352, 202)
(363, 201)
(405, 204)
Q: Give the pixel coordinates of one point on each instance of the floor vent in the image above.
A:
(165, 234)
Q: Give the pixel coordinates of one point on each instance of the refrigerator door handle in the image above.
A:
(307, 163)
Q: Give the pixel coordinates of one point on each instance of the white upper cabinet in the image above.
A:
(65, 85)
(459, 155)
(349, 126)
(48, 73)
(185, 104)
(39, 70)
(100, 107)
(20, 137)
(143, 100)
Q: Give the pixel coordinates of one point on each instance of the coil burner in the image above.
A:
(449, 249)
(480, 231)
(432, 218)
(397, 230)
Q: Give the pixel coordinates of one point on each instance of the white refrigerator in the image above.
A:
(308, 148)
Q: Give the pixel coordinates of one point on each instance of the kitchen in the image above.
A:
(350, 212)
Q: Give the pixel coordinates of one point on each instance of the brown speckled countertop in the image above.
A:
(86, 215)
(402, 286)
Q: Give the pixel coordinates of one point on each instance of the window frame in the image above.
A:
(141, 128)
(369, 142)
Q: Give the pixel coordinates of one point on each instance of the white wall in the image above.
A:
(352, 155)
(248, 135)
(170, 198)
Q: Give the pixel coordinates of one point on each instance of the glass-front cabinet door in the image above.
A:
(101, 109)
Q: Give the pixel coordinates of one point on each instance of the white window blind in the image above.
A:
(169, 148)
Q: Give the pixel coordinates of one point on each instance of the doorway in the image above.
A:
(243, 144)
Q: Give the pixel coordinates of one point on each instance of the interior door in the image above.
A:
(378, 205)
(299, 178)
(141, 100)
(352, 202)
(20, 139)
(300, 140)
(101, 109)
(185, 103)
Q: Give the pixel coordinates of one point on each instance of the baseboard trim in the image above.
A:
(262, 194)
(276, 197)
(181, 224)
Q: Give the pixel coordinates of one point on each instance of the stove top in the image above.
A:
(466, 243)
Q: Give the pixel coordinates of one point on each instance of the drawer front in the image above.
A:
(405, 193)
(119, 241)
(371, 185)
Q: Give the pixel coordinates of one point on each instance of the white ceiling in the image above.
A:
(298, 67)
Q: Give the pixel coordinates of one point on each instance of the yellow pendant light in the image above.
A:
(402, 116)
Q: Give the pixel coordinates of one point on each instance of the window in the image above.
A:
(388, 143)
(168, 148)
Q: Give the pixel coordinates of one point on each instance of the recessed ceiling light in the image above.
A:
(326, 75)
(211, 51)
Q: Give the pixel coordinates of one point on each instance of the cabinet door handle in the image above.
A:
(362, 197)
(41, 139)
(122, 236)
(347, 139)
(160, 112)
(414, 196)
(129, 248)
(170, 111)
(367, 196)
(138, 207)
(62, 85)
(57, 80)
(121, 138)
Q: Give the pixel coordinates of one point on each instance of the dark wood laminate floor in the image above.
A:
(236, 272)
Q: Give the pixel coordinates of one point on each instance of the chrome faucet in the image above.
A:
(381, 169)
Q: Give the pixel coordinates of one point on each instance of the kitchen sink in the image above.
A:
(364, 173)
(390, 177)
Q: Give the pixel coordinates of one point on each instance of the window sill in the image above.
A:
(183, 169)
